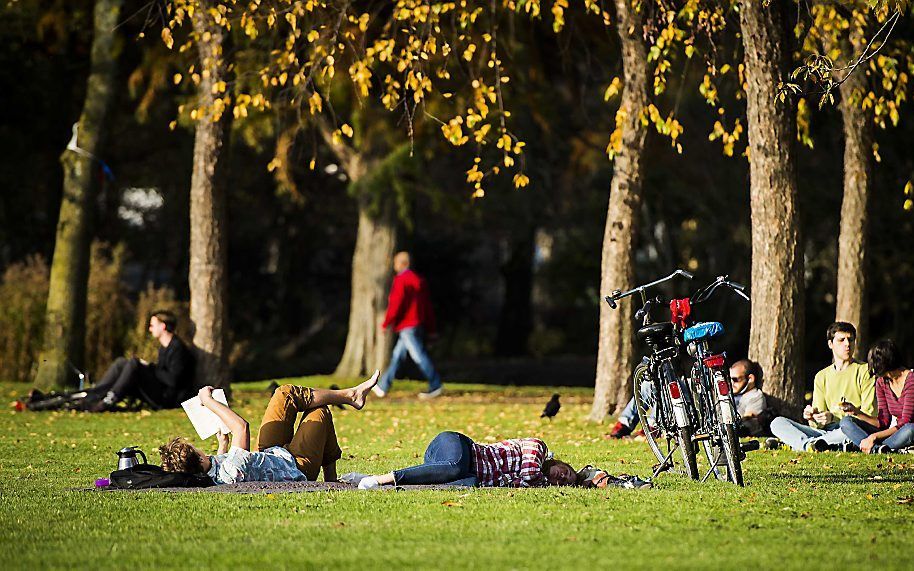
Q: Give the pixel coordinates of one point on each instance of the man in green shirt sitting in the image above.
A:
(846, 379)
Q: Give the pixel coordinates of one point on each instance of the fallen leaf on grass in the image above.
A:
(451, 504)
(907, 500)
(896, 486)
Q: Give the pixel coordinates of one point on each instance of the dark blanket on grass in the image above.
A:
(279, 488)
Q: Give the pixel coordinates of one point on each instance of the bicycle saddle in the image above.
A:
(655, 330)
(701, 331)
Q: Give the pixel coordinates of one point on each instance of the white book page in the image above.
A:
(204, 420)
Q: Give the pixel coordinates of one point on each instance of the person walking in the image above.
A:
(410, 314)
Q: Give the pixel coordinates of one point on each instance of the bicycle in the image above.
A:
(716, 418)
(662, 402)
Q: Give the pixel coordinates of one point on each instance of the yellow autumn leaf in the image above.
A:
(347, 130)
(166, 37)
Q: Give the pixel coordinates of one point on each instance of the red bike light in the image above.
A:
(723, 387)
(674, 391)
(714, 361)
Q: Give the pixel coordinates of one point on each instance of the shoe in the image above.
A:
(620, 430)
(817, 445)
(881, 449)
(772, 443)
(378, 392)
(369, 483)
(431, 394)
(849, 447)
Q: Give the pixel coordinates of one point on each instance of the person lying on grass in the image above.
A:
(283, 452)
(453, 458)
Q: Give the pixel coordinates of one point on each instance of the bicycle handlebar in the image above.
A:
(617, 295)
(705, 293)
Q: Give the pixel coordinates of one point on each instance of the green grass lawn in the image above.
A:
(821, 511)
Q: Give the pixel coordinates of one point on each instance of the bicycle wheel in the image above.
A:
(646, 411)
(687, 450)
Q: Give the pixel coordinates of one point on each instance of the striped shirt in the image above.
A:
(516, 463)
(892, 407)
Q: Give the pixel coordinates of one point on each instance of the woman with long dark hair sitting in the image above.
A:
(892, 428)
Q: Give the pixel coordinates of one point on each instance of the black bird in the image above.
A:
(552, 407)
(336, 388)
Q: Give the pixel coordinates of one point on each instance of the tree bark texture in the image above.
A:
(858, 143)
(65, 328)
(207, 279)
(367, 345)
(776, 336)
(615, 355)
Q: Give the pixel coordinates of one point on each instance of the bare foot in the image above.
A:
(360, 392)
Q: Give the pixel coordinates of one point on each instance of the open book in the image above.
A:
(204, 420)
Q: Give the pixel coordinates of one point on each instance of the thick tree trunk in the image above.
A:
(516, 319)
(858, 142)
(776, 336)
(615, 356)
(367, 345)
(208, 291)
(64, 335)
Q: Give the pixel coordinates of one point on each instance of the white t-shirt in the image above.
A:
(750, 402)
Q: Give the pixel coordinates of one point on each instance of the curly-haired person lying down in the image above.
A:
(453, 458)
(283, 452)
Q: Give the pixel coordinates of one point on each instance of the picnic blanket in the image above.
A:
(275, 488)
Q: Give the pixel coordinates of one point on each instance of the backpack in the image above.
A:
(146, 476)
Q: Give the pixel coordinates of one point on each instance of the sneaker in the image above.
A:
(849, 447)
(431, 394)
(772, 443)
(620, 430)
(378, 392)
(880, 449)
(817, 445)
(369, 483)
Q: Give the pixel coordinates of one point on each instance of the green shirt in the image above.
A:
(854, 383)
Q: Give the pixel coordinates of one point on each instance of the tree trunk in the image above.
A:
(858, 142)
(367, 345)
(615, 356)
(516, 319)
(207, 279)
(65, 327)
(776, 336)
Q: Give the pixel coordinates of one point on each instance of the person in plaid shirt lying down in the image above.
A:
(453, 458)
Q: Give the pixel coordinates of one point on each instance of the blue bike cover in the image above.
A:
(701, 331)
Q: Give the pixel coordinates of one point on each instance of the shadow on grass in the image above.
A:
(862, 478)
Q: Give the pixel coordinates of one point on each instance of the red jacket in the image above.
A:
(409, 304)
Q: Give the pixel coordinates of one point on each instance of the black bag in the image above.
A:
(145, 476)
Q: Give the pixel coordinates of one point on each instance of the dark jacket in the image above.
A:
(175, 372)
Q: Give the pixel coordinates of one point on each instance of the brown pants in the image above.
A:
(314, 442)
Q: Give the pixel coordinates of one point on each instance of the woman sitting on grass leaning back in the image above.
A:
(453, 458)
(283, 452)
(892, 426)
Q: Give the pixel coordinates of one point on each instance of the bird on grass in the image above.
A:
(552, 407)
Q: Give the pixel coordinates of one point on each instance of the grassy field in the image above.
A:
(821, 511)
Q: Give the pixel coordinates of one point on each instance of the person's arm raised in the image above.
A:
(241, 437)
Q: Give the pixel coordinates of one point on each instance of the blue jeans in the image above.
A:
(629, 416)
(448, 460)
(410, 341)
(856, 430)
(801, 436)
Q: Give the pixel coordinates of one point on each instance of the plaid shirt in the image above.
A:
(516, 463)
